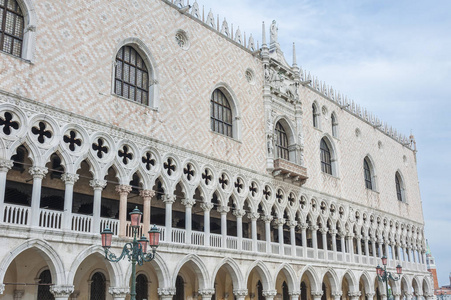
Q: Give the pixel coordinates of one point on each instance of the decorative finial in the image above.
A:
(263, 35)
(294, 56)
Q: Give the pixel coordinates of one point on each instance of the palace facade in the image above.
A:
(264, 182)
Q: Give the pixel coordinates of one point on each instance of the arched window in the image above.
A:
(179, 289)
(132, 77)
(315, 115)
(399, 187)
(334, 123)
(45, 281)
(368, 175)
(326, 164)
(98, 286)
(304, 291)
(281, 142)
(221, 114)
(141, 287)
(12, 27)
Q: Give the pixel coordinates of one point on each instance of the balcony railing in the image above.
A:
(20, 216)
(287, 169)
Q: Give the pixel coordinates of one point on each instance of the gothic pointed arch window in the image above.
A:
(11, 27)
(221, 118)
(326, 162)
(368, 173)
(98, 286)
(399, 187)
(334, 124)
(132, 80)
(315, 115)
(282, 142)
(45, 281)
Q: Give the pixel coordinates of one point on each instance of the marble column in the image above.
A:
(314, 229)
(280, 222)
(119, 293)
(317, 295)
(206, 293)
(373, 244)
(292, 225)
(223, 210)
(254, 217)
(407, 295)
(359, 247)
(333, 233)
(354, 295)
(295, 295)
(323, 231)
(146, 195)
(166, 293)
(370, 295)
(5, 166)
(38, 174)
(62, 292)
(69, 181)
(188, 218)
(337, 295)
(269, 295)
(304, 227)
(240, 294)
(381, 253)
(168, 201)
(267, 219)
(123, 191)
(97, 185)
(206, 208)
(239, 213)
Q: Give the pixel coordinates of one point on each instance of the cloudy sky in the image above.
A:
(392, 57)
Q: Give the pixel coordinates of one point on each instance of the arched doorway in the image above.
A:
(97, 289)
(45, 281)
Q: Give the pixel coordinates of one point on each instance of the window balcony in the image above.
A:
(289, 171)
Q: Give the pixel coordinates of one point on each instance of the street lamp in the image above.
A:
(384, 276)
(135, 251)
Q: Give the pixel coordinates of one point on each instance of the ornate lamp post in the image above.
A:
(136, 251)
(384, 276)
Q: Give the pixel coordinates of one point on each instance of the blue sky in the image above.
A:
(392, 57)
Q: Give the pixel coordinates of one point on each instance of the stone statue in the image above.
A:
(273, 32)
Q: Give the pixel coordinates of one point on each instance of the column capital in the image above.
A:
(253, 216)
(188, 202)
(303, 226)
(323, 230)
(354, 294)
(6, 165)
(267, 218)
(98, 184)
(333, 232)
(2, 288)
(239, 213)
(317, 294)
(169, 198)
(337, 294)
(223, 209)
(123, 189)
(295, 293)
(147, 193)
(166, 291)
(370, 295)
(240, 293)
(206, 206)
(292, 224)
(62, 290)
(270, 293)
(69, 178)
(206, 292)
(279, 221)
(38, 172)
(119, 291)
(314, 228)
(407, 294)
(342, 234)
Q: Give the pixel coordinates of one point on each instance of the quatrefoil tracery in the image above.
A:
(72, 140)
(148, 160)
(239, 185)
(207, 176)
(169, 166)
(189, 171)
(125, 154)
(8, 123)
(100, 148)
(223, 181)
(41, 132)
(253, 188)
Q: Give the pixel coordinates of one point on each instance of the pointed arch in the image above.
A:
(264, 273)
(199, 268)
(234, 270)
(366, 278)
(51, 257)
(115, 273)
(234, 107)
(315, 283)
(161, 270)
(333, 280)
(352, 280)
(290, 275)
